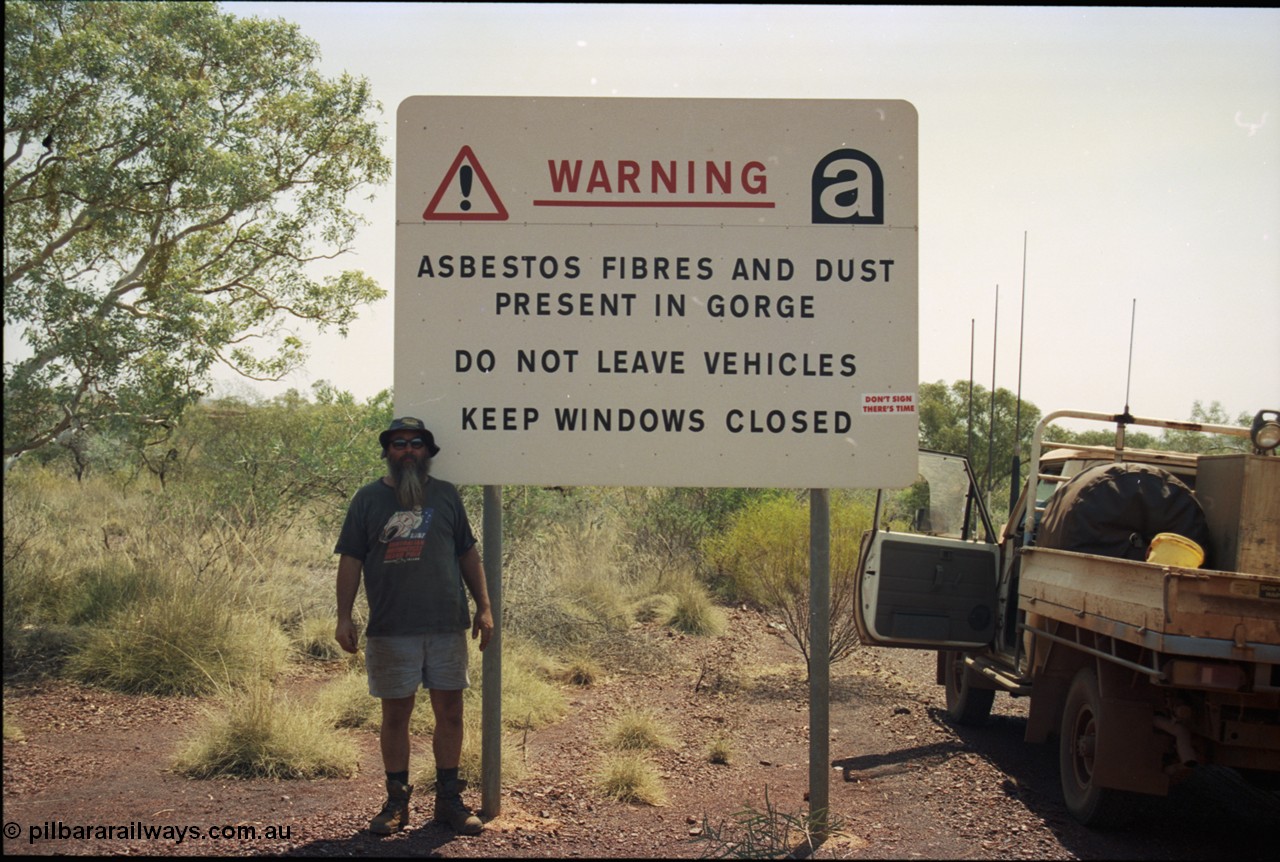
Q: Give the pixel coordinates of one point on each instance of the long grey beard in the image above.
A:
(411, 483)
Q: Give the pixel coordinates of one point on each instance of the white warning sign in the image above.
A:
(680, 292)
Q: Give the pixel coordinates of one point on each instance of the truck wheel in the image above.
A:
(1083, 722)
(967, 704)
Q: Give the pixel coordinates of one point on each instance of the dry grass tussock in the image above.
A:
(259, 733)
(630, 777)
(638, 730)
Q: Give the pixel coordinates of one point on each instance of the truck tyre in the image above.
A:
(967, 705)
(1083, 722)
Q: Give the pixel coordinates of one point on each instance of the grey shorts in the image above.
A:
(398, 665)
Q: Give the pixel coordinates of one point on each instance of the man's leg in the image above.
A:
(446, 744)
(395, 733)
(394, 741)
(446, 740)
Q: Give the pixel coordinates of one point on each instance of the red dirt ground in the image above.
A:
(904, 783)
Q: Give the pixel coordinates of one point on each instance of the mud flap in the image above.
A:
(1130, 749)
(1044, 716)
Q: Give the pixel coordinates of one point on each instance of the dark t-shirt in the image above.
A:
(411, 572)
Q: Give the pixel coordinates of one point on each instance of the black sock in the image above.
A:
(402, 777)
(443, 775)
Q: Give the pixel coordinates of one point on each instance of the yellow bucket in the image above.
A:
(1170, 549)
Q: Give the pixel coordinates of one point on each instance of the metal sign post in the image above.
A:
(491, 684)
(819, 662)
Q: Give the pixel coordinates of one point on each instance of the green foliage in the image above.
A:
(258, 734)
(672, 523)
(172, 173)
(763, 558)
(562, 589)
(106, 590)
(286, 458)
(945, 427)
(529, 698)
(60, 573)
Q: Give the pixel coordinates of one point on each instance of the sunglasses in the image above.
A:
(401, 445)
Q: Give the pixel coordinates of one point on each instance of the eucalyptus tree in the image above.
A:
(172, 174)
(945, 413)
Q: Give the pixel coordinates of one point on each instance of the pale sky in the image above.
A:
(1137, 149)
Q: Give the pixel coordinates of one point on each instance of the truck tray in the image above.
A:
(1168, 609)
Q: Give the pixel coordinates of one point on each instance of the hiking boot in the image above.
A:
(452, 810)
(394, 815)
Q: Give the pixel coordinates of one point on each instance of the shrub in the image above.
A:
(286, 459)
(259, 735)
(764, 557)
(32, 650)
(768, 834)
(654, 607)
(672, 523)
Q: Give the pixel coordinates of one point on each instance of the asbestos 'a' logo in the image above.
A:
(848, 188)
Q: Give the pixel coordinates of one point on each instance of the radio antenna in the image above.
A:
(969, 448)
(1133, 317)
(991, 423)
(1015, 480)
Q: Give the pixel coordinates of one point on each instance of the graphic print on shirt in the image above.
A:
(405, 535)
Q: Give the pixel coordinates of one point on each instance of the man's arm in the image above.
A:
(473, 576)
(348, 583)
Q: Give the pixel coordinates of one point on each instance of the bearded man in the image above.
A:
(409, 536)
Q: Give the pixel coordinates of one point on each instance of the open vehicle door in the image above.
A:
(934, 587)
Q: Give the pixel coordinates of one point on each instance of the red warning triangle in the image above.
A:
(461, 207)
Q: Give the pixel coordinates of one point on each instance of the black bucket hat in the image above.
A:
(409, 423)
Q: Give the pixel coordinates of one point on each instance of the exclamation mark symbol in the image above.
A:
(464, 176)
